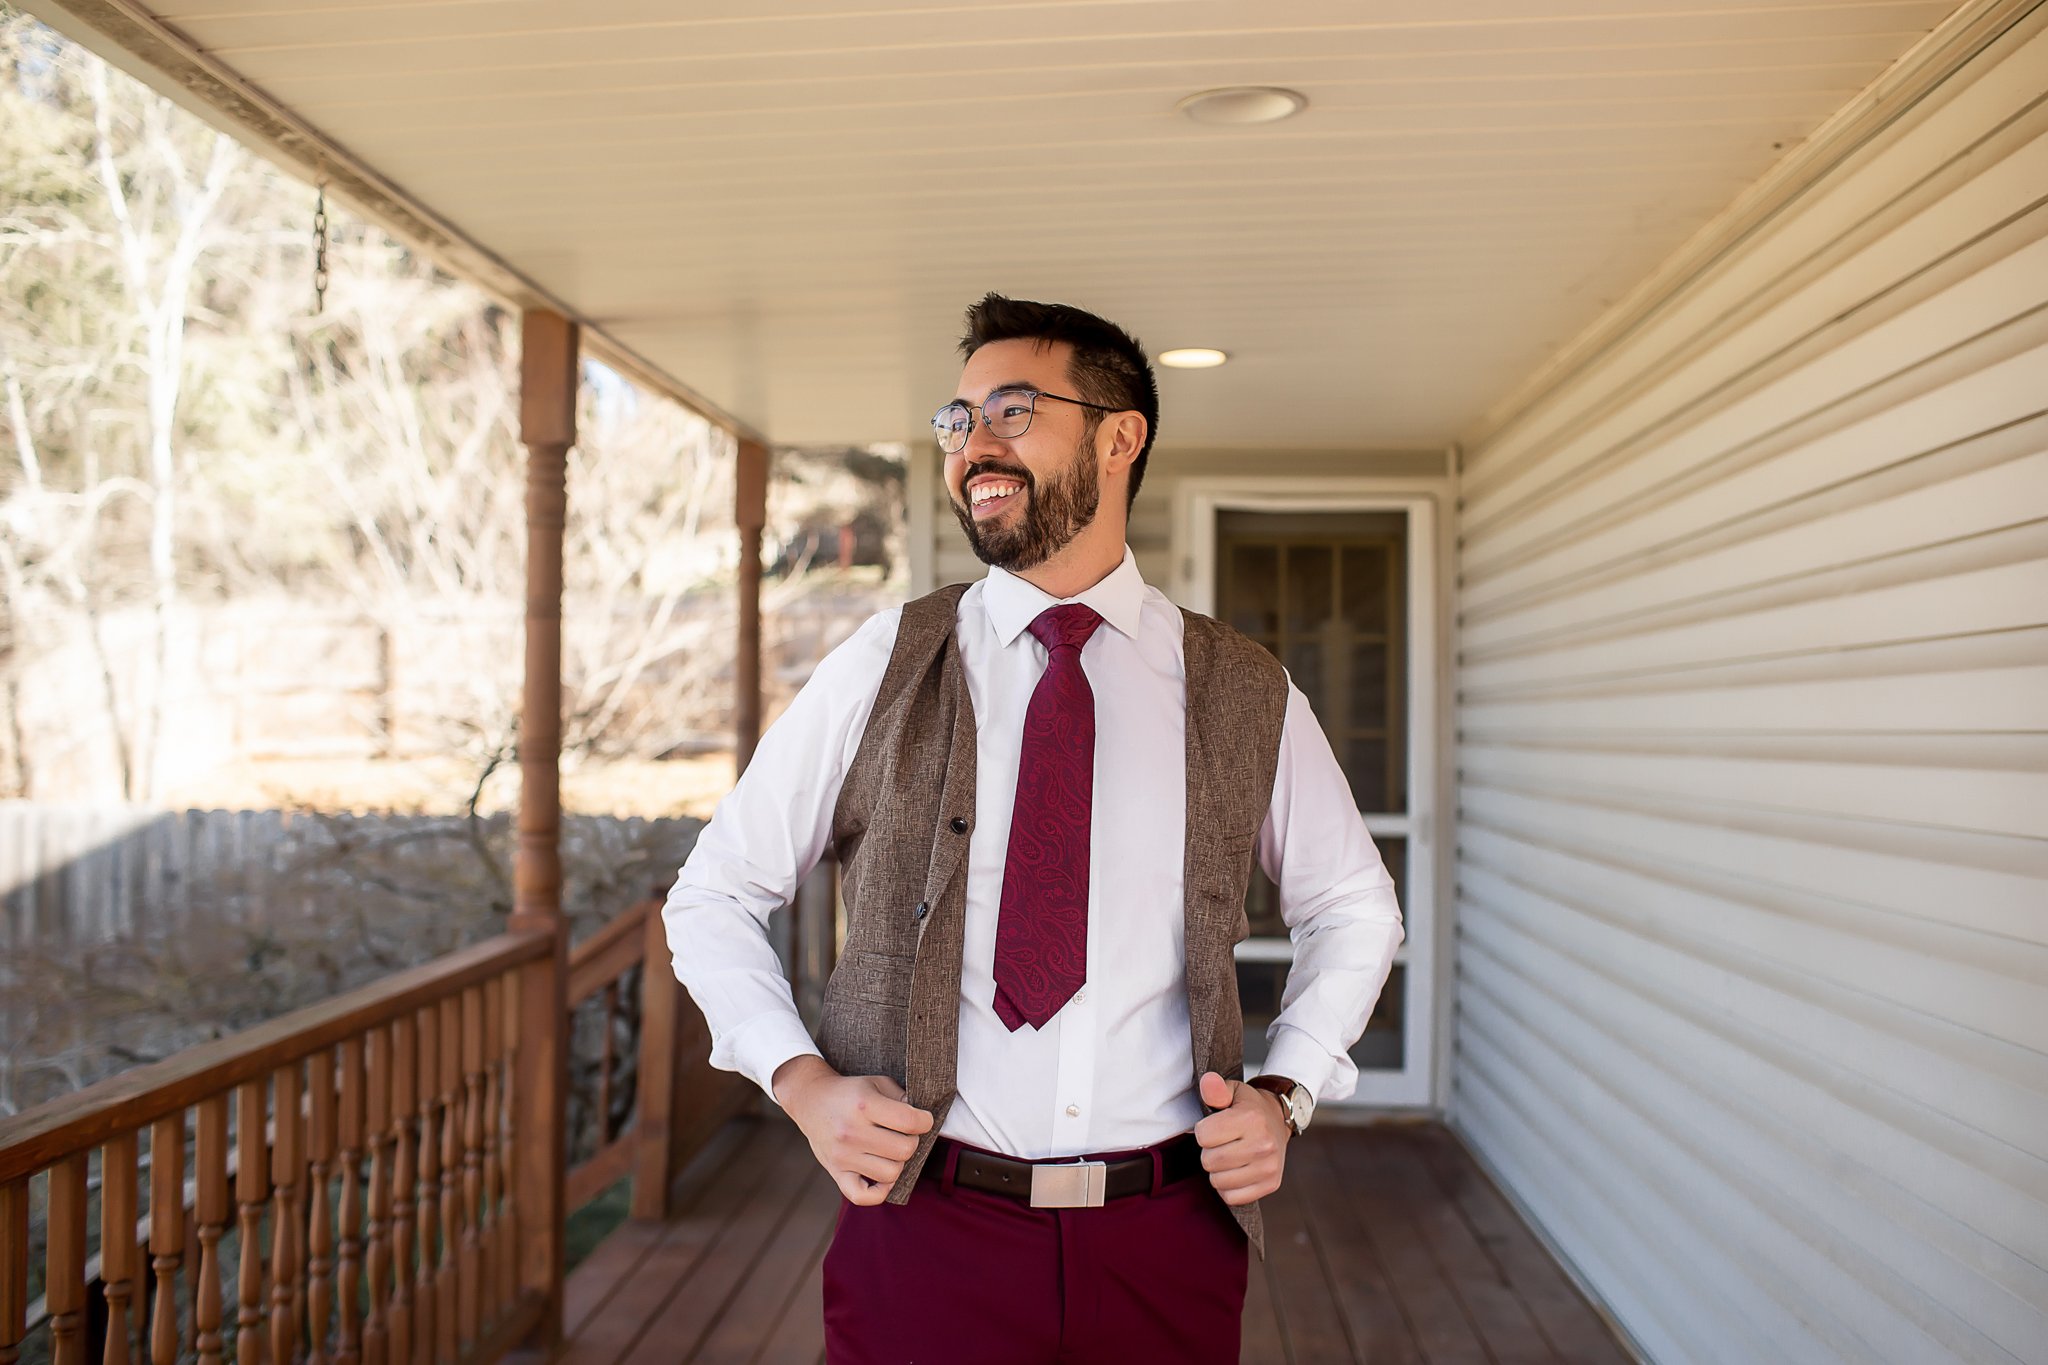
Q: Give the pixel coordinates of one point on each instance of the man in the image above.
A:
(1046, 791)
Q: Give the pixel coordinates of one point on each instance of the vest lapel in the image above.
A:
(1199, 935)
(934, 1025)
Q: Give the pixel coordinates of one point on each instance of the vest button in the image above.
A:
(958, 825)
(922, 910)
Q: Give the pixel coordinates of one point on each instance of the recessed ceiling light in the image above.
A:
(1241, 104)
(1192, 358)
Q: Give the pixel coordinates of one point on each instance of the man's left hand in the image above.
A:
(1244, 1143)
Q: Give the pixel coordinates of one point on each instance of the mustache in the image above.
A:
(981, 467)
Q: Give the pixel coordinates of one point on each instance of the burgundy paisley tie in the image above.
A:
(1042, 928)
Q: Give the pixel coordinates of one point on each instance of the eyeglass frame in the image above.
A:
(982, 407)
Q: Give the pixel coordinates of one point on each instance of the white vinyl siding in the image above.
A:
(1752, 794)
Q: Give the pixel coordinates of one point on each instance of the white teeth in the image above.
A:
(990, 491)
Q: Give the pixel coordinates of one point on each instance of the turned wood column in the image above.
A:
(547, 425)
(750, 511)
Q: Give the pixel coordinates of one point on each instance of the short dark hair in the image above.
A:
(1108, 365)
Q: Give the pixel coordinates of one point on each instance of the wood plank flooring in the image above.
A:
(1386, 1245)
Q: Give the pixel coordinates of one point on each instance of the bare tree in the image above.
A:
(160, 236)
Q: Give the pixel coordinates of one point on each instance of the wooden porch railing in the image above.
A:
(350, 1199)
(411, 1076)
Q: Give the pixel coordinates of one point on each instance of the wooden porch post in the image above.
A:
(750, 511)
(547, 425)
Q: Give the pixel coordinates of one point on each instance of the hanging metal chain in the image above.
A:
(320, 253)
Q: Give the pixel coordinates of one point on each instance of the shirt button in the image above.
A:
(1073, 1111)
(958, 825)
(1080, 995)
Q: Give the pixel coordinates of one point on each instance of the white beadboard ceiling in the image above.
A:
(785, 204)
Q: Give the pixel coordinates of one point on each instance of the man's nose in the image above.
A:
(981, 444)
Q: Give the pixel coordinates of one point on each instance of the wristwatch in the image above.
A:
(1296, 1103)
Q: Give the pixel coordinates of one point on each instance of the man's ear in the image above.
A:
(1121, 437)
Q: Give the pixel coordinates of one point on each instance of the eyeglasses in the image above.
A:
(1006, 413)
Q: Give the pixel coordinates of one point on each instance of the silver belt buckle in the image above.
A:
(1069, 1185)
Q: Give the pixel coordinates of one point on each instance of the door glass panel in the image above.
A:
(1367, 586)
(1304, 660)
(1308, 585)
(1369, 693)
(1394, 853)
(1364, 757)
(1255, 591)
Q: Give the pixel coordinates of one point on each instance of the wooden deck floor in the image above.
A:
(1386, 1245)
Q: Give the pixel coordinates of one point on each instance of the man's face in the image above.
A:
(1021, 500)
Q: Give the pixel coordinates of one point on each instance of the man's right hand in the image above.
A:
(860, 1128)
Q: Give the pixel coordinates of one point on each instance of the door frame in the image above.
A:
(1197, 503)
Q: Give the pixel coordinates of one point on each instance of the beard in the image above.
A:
(1054, 512)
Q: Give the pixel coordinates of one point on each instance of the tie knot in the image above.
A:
(1069, 625)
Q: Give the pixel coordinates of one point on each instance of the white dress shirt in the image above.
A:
(1112, 1069)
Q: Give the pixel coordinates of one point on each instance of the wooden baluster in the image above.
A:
(377, 1120)
(252, 1191)
(489, 1215)
(188, 1326)
(468, 1299)
(428, 1024)
(445, 1306)
(210, 1213)
(118, 1207)
(64, 1261)
(166, 1233)
(13, 1270)
(405, 1063)
(304, 1184)
(349, 1278)
(605, 1065)
(284, 1215)
(508, 1141)
(319, 1204)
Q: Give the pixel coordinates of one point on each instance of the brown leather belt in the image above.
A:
(1075, 1184)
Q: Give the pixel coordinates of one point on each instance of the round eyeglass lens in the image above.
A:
(951, 425)
(1008, 412)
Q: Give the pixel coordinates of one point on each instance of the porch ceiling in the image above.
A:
(785, 203)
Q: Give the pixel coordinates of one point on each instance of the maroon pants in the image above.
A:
(961, 1277)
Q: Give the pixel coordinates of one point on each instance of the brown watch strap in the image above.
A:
(1280, 1087)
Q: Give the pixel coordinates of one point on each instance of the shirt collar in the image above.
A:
(1013, 604)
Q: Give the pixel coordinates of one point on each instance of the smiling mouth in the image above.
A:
(991, 496)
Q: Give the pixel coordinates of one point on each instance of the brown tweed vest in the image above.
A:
(906, 811)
